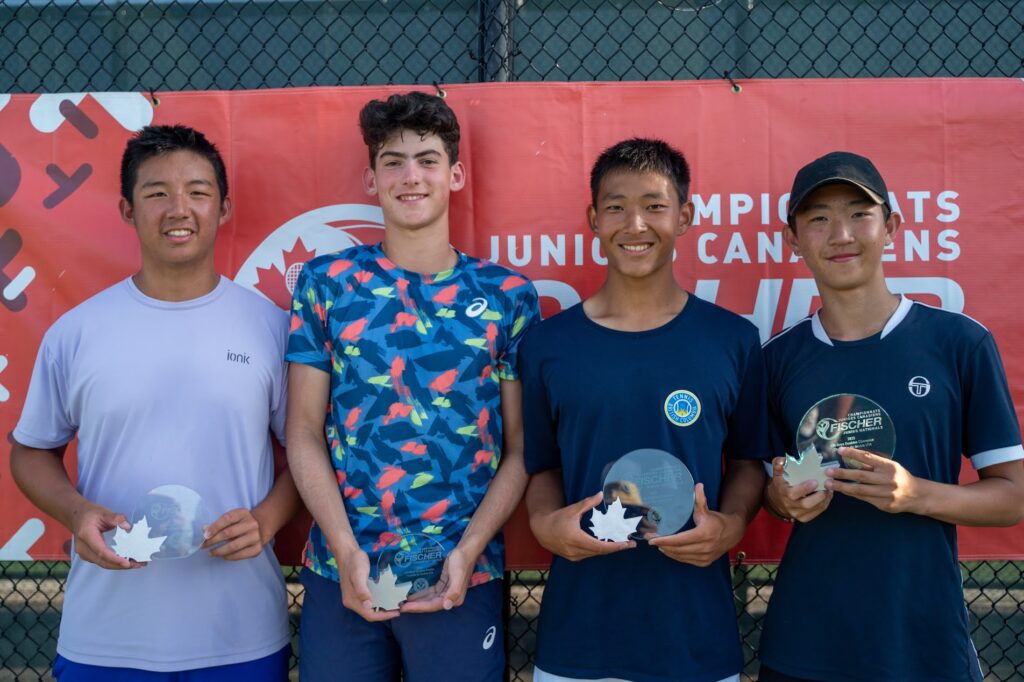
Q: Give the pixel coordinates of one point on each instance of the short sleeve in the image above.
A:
(777, 435)
(46, 421)
(309, 341)
(540, 429)
(279, 392)
(525, 314)
(991, 432)
(749, 435)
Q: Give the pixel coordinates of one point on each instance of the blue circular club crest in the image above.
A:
(682, 408)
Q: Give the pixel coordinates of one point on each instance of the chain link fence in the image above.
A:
(32, 595)
(90, 45)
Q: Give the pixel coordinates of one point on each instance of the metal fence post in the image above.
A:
(495, 41)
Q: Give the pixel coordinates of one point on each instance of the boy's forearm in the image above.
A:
(279, 506)
(502, 498)
(742, 489)
(997, 499)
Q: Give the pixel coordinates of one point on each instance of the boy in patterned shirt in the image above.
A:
(412, 346)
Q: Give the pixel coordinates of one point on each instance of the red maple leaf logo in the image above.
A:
(277, 285)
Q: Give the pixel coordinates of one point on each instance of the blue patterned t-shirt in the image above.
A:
(414, 422)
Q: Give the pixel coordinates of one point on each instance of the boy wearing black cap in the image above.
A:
(869, 587)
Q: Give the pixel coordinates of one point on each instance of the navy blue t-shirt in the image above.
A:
(862, 594)
(592, 394)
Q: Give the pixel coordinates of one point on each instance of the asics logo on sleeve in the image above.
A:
(489, 637)
(476, 308)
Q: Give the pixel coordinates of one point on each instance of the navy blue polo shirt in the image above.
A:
(694, 387)
(862, 594)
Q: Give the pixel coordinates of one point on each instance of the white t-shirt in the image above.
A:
(162, 393)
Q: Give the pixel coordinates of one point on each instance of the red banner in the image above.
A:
(952, 152)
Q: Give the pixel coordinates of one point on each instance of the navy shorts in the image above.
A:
(272, 668)
(466, 644)
(766, 674)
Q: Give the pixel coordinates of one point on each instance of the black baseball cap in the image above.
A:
(838, 167)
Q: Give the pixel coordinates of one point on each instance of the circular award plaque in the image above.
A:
(846, 420)
(176, 513)
(652, 484)
(418, 560)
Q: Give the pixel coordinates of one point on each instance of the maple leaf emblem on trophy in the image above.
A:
(136, 544)
(807, 468)
(612, 525)
(277, 285)
(387, 593)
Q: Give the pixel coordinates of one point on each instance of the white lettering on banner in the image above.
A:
(916, 244)
(552, 250)
(712, 208)
(513, 254)
(771, 245)
(910, 246)
(924, 205)
(945, 240)
(557, 250)
(944, 201)
(921, 244)
(737, 250)
(739, 204)
(918, 199)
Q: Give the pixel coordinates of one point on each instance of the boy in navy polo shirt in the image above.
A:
(869, 587)
(641, 364)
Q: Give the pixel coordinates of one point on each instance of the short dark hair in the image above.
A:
(416, 111)
(163, 139)
(642, 155)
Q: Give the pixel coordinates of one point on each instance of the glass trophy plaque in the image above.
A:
(846, 420)
(411, 567)
(167, 523)
(647, 493)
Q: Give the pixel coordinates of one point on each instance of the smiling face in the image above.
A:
(176, 209)
(637, 217)
(841, 234)
(413, 179)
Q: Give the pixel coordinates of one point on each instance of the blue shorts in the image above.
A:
(466, 644)
(272, 668)
(766, 674)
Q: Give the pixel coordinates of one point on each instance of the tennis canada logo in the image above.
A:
(682, 408)
(273, 268)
